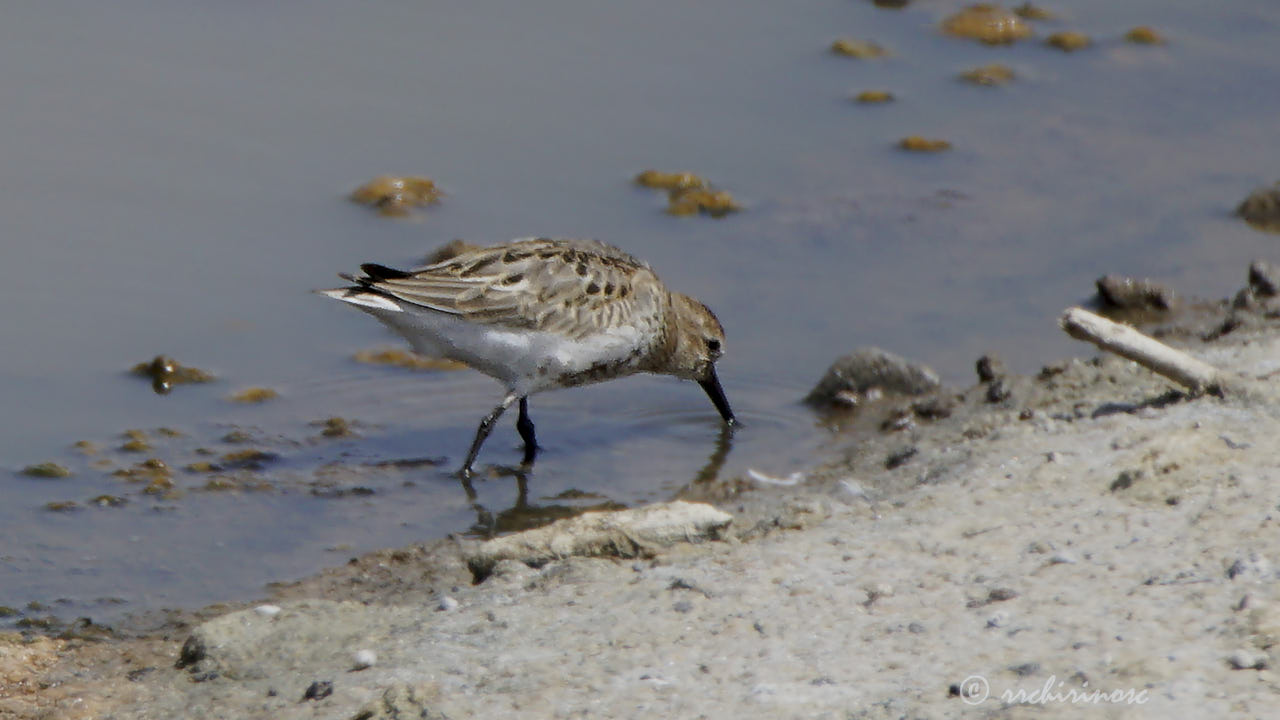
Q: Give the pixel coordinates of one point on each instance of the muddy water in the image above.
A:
(174, 180)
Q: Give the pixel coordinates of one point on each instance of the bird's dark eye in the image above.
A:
(713, 346)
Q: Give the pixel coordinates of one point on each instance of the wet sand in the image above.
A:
(1095, 537)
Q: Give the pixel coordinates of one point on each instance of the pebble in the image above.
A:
(989, 368)
(998, 391)
(363, 659)
(1252, 568)
(1247, 659)
(875, 591)
(998, 619)
(871, 369)
(1025, 669)
(447, 604)
(1118, 291)
(1262, 208)
(318, 690)
(1264, 278)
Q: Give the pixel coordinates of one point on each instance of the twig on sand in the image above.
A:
(1196, 375)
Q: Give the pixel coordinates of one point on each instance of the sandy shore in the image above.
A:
(1094, 543)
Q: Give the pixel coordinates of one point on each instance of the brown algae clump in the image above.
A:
(1262, 208)
(135, 441)
(872, 97)
(225, 483)
(159, 485)
(989, 75)
(144, 471)
(406, 359)
(1032, 12)
(154, 472)
(987, 23)
(62, 506)
(860, 49)
(915, 143)
(165, 372)
(1068, 41)
(46, 470)
(251, 459)
(716, 203)
(109, 501)
(670, 181)
(254, 395)
(689, 193)
(336, 427)
(393, 195)
(1144, 35)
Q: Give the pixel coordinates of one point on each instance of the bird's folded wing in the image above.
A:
(555, 289)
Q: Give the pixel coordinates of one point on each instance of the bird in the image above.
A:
(541, 314)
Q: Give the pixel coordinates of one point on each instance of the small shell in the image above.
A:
(267, 610)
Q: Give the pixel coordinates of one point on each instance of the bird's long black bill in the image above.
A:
(712, 385)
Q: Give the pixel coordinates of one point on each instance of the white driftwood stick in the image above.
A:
(1147, 352)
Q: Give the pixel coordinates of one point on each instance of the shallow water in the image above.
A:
(174, 182)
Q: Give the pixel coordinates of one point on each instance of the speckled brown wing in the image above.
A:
(574, 288)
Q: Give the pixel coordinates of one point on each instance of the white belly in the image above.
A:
(527, 361)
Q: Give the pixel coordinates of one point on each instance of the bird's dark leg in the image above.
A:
(525, 426)
(482, 432)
